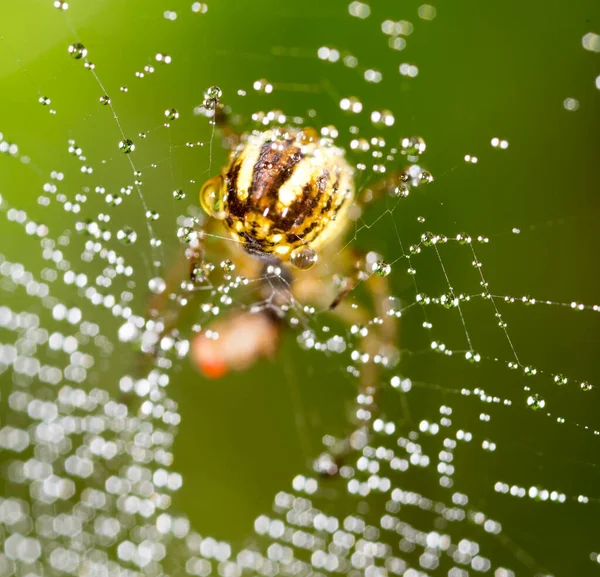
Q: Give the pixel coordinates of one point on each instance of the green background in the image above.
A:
(486, 69)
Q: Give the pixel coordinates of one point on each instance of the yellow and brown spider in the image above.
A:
(279, 212)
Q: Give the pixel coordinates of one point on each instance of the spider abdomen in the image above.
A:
(286, 189)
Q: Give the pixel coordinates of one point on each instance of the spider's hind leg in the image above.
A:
(376, 332)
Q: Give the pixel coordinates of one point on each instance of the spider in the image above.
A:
(279, 213)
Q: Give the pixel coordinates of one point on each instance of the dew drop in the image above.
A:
(536, 402)
(425, 177)
(303, 258)
(199, 273)
(163, 58)
(211, 97)
(449, 301)
(473, 357)
(186, 234)
(127, 235)
(227, 265)
(212, 198)
(77, 50)
(413, 146)
(61, 5)
(214, 92)
(152, 215)
(126, 145)
(178, 194)
(157, 285)
(423, 299)
(263, 85)
(171, 114)
(44, 100)
(429, 238)
(585, 386)
(560, 379)
(113, 199)
(401, 191)
(105, 100)
(382, 268)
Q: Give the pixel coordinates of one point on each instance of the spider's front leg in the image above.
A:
(225, 127)
(394, 184)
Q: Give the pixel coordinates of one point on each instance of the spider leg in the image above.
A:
(223, 124)
(383, 186)
(377, 348)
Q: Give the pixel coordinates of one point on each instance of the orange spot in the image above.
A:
(213, 368)
(206, 359)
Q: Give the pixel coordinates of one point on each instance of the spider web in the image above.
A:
(483, 459)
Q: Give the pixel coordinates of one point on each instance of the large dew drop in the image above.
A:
(77, 50)
(211, 198)
(303, 257)
(126, 145)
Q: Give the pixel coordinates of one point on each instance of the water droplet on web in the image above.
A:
(425, 177)
(382, 118)
(463, 238)
(199, 7)
(44, 100)
(127, 235)
(152, 215)
(178, 194)
(171, 114)
(186, 234)
(124, 89)
(227, 265)
(401, 191)
(263, 85)
(571, 104)
(211, 97)
(536, 402)
(473, 357)
(382, 268)
(126, 146)
(163, 58)
(421, 218)
(214, 92)
(303, 258)
(199, 273)
(585, 386)
(157, 285)
(423, 299)
(211, 198)
(113, 199)
(61, 5)
(448, 300)
(429, 238)
(560, 379)
(105, 100)
(413, 146)
(77, 50)
(351, 104)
